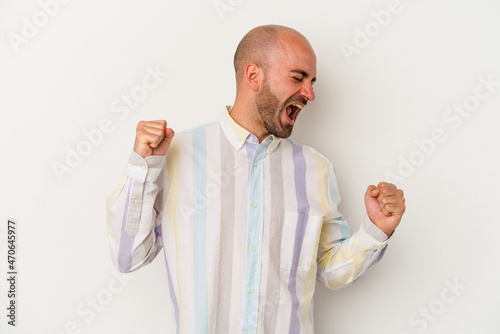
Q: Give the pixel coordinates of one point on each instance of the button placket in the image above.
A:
(254, 235)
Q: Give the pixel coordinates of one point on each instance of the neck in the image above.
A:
(246, 115)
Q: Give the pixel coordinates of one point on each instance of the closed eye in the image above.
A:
(298, 79)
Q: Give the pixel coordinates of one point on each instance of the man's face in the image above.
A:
(272, 110)
(287, 86)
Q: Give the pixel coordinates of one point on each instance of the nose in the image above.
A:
(307, 91)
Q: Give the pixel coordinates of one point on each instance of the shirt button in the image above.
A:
(254, 204)
(143, 167)
(251, 291)
(255, 164)
(254, 249)
(136, 201)
(250, 139)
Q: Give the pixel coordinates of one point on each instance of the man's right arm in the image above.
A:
(134, 210)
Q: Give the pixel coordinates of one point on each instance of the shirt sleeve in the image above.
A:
(134, 213)
(342, 258)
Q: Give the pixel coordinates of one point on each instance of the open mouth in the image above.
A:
(292, 111)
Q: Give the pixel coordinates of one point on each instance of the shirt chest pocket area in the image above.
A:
(299, 241)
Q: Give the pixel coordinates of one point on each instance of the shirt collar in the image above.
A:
(237, 135)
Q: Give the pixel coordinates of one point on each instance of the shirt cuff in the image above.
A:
(144, 169)
(370, 230)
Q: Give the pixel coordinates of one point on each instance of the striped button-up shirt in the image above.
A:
(247, 229)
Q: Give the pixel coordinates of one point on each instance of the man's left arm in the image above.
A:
(342, 259)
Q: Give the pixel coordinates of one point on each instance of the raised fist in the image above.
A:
(385, 205)
(152, 138)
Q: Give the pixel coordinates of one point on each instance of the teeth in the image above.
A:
(297, 105)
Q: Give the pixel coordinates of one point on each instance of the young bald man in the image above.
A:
(248, 218)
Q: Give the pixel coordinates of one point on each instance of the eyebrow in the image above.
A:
(303, 73)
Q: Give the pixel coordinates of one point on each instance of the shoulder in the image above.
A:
(182, 143)
(308, 152)
(314, 162)
(197, 134)
(198, 129)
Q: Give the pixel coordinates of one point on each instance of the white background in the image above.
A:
(370, 109)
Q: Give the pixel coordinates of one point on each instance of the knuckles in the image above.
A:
(384, 200)
(154, 124)
(391, 199)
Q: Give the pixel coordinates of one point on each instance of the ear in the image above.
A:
(254, 76)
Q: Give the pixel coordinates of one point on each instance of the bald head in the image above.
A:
(258, 46)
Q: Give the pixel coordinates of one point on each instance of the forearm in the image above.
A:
(344, 262)
(135, 215)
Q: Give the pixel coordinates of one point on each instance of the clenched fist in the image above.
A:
(152, 138)
(385, 205)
